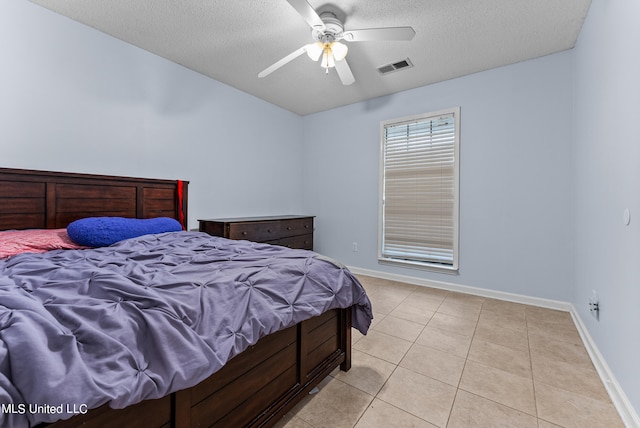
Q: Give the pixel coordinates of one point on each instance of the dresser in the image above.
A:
(293, 231)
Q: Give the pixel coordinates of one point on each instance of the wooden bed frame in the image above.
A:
(255, 388)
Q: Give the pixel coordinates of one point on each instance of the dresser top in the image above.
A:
(261, 218)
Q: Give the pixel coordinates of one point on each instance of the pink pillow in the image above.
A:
(14, 242)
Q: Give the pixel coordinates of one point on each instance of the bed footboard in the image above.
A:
(254, 389)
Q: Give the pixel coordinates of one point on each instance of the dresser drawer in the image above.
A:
(294, 227)
(213, 228)
(304, 242)
(258, 231)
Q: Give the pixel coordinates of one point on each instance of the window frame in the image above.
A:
(420, 264)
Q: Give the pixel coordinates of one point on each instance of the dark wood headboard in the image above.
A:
(50, 200)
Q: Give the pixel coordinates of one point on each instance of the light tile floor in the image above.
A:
(435, 358)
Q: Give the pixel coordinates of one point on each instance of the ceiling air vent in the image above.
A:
(390, 68)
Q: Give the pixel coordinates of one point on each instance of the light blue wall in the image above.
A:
(550, 155)
(606, 181)
(515, 187)
(74, 99)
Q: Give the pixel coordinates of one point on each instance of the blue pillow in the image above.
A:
(104, 231)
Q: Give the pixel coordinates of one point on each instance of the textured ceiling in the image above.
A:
(233, 40)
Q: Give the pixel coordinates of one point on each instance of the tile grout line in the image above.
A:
(533, 383)
(466, 359)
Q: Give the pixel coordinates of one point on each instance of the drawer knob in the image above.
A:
(244, 233)
(288, 227)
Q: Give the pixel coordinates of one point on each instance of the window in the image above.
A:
(419, 175)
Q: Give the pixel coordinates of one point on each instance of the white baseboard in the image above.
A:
(617, 395)
(484, 292)
(627, 413)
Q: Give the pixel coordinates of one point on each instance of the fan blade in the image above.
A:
(379, 34)
(344, 72)
(308, 13)
(293, 55)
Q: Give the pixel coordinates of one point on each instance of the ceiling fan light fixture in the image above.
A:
(314, 50)
(339, 50)
(327, 58)
(332, 52)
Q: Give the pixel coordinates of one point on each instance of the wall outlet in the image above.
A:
(594, 305)
(355, 246)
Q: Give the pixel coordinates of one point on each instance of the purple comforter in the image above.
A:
(148, 316)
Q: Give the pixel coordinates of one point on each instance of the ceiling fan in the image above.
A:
(327, 31)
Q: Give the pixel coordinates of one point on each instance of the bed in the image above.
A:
(266, 369)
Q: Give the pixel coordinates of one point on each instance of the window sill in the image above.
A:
(434, 267)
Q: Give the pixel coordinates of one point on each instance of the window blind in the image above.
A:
(419, 205)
